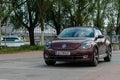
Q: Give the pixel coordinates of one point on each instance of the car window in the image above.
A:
(77, 32)
(97, 32)
(9, 39)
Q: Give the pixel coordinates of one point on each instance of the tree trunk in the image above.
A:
(42, 23)
(42, 38)
(118, 23)
(0, 32)
(58, 30)
(57, 27)
(42, 32)
(31, 36)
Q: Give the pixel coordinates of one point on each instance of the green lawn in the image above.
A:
(20, 49)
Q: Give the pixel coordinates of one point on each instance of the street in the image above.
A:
(34, 68)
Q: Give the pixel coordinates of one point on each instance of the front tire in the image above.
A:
(95, 57)
(50, 62)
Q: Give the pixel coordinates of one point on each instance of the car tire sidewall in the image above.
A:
(109, 55)
(95, 60)
(49, 61)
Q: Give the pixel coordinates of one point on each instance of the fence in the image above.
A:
(116, 42)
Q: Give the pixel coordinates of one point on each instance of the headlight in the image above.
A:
(48, 45)
(86, 46)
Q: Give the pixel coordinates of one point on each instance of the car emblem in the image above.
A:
(64, 46)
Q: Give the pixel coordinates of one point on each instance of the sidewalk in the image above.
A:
(32, 54)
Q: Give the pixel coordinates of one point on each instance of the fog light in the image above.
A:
(85, 56)
(46, 56)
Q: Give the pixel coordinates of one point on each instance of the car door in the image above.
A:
(100, 40)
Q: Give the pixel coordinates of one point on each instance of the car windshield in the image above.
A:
(76, 33)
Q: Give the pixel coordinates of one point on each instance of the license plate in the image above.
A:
(62, 53)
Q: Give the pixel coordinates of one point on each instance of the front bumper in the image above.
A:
(75, 55)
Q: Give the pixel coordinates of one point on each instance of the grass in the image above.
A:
(115, 43)
(21, 49)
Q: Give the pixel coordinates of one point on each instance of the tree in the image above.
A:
(42, 6)
(26, 15)
(61, 14)
(118, 17)
(82, 12)
(5, 10)
(113, 16)
(57, 13)
(99, 15)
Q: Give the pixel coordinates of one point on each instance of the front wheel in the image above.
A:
(50, 62)
(95, 58)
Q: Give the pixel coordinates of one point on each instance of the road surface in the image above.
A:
(31, 66)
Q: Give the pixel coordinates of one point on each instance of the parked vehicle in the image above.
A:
(12, 41)
(76, 44)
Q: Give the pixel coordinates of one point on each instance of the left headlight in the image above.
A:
(86, 46)
(48, 45)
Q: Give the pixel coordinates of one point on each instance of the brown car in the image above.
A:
(76, 44)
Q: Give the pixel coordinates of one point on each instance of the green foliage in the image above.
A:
(21, 49)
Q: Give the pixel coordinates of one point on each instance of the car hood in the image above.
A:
(65, 44)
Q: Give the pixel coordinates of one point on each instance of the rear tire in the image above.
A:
(109, 55)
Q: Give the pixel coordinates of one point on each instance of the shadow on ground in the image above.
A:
(69, 65)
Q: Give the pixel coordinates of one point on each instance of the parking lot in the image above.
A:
(31, 66)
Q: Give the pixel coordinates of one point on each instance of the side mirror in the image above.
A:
(100, 36)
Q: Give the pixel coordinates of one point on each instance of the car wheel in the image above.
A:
(50, 62)
(109, 55)
(95, 58)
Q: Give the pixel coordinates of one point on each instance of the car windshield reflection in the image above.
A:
(77, 33)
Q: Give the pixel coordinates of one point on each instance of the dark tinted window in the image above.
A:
(9, 39)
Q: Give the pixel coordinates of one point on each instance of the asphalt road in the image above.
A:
(34, 68)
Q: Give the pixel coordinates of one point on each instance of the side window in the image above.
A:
(97, 32)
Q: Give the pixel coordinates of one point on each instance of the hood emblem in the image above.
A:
(64, 46)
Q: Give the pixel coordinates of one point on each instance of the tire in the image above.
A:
(50, 62)
(95, 58)
(109, 55)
